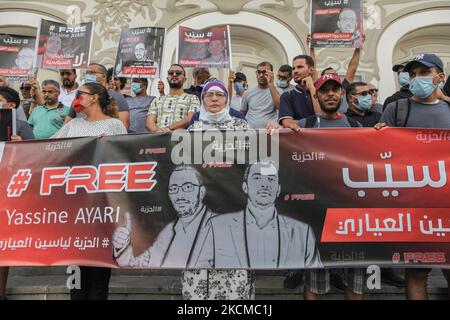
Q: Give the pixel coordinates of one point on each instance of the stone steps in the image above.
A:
(49, 283)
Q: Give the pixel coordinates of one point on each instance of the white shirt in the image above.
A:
(183, 240)
(66, 97)
(236, 102)
(262, 243)
(79, 127)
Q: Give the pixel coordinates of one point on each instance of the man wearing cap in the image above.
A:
(238, 82)
(422, 110)
(403, 80)
(329, 93)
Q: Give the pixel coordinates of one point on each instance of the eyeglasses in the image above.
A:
(258, 72)
(93, 72)
(25, 88)
(48, 91)
(219, 94)
(362, 93)
(174, 72)
(79, 93)
(186, 187)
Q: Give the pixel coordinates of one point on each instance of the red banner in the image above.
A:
(358, 196)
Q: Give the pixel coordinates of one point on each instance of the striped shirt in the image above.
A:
(171, 109)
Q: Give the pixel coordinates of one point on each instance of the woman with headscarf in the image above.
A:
(212, 284)
(215, 110)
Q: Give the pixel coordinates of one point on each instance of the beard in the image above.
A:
(68, 83)
(175, 85)
(327, 109)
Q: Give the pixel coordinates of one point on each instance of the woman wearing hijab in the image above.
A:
(215, 110)
(101, 119)
(212, 284)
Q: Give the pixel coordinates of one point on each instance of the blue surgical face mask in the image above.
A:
(136, 87)
(90, 78)
(422, 87)
(403, 78)
(239, 87)
(364, 102)
(282, 83)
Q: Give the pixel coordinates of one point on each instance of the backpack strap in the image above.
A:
(353, 123)
(311, 121)
(402, 111)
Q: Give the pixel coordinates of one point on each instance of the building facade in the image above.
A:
(272, 30)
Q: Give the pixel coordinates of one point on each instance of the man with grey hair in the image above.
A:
(200, 75)
(179, 244)
(258, 236)
(48, 118)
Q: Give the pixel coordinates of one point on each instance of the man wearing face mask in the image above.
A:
(359, 102)
(97, 73)
(238, 82)
(284, 78)
(403, 80)
(139, 105)
(422, 110)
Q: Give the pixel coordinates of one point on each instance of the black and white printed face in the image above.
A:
(140, 51)
(263, 184)
(347, 21)
(185, 192)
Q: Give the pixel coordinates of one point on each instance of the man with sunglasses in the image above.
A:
(260, 104)
(47, 119)
(27, 99)
(181, 241)
(374, 93)
(69, 86)
(175, 110)
(360, 106)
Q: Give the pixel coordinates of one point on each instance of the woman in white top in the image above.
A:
(101, 112)
(101, 119)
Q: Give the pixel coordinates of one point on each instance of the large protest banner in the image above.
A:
(337, 24)
(198, 200)
(16, 56)
(209, 48)
(63, 46)
(140, 52)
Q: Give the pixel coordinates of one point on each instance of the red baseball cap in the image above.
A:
(325, 78)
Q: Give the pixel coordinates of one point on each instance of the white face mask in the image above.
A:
(216, 116)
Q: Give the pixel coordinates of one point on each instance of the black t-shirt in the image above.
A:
(403, 93)
(447, 87)
(371, 118)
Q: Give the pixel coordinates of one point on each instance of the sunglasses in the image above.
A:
(261, 71)
(79, 93)
(372, 91)
(175, 72)
(25, 88)
(362, 93)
